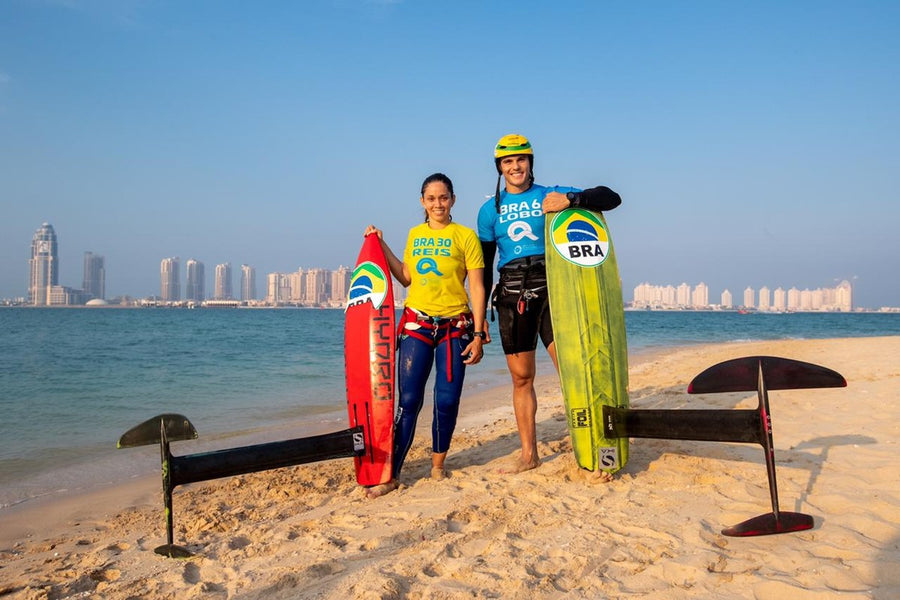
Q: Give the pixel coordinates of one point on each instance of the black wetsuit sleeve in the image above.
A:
(597, 199)
(489, 250)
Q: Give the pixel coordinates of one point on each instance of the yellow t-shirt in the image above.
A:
(438, 260)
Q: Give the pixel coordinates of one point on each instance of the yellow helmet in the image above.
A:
(513, 144)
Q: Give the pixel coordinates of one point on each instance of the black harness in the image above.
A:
(521, 281)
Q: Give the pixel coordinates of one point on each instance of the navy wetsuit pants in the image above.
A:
(414, 366)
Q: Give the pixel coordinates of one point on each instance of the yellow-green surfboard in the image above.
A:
(589, 330)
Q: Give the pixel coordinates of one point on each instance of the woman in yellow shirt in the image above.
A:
(438, 328)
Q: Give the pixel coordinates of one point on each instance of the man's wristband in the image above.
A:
(478, 334)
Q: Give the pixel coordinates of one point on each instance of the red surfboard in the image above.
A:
(369, 344)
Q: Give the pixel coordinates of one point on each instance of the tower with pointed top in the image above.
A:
(43, 266)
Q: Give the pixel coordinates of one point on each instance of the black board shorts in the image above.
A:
(522, 305)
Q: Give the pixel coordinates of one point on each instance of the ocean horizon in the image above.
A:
(73, 380)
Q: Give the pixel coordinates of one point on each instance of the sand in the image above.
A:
(654, 532)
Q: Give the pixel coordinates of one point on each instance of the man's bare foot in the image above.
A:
(376, 491)
(439, 473)
(520, 466)
(601, 476)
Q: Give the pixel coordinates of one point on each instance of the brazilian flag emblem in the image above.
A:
(580, 237)
(368, 283)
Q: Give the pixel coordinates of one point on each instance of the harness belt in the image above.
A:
(524, 278)
(412, 322)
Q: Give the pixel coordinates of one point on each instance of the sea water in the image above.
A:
(73, 380)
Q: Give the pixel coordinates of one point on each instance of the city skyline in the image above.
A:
(326, 287)
(685, 296)
(750, 145)
(195, 283)
(43, 287)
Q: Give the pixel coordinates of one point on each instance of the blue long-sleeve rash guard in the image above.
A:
(518, 229)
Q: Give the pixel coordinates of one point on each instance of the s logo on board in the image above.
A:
(580, 237)
(368, 283)
(608, 458)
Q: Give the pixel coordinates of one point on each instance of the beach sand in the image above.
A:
(654, 532)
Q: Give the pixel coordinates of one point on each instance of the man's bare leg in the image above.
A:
(522, 370)
(551, 350)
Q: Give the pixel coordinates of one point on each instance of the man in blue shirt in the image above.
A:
(512, 224)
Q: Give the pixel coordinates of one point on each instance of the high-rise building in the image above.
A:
(223, 282)
(170, 279)
(807, 300)
(764, 298)
(195, 288)
(844, 296)
(643, 295)
(43, 266)
(683, 295)
(793, 299)
(248, 283)
(779, 300)
(668, 295)
(340, 285)
(94, 285)
(297, 283)
(700, 296)
(727, 299)
(278, 288)
(749, 301)
(318, 286)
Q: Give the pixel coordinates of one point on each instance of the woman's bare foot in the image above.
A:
(439, 473)
(377, 491)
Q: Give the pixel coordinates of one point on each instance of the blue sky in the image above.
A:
(752, 143)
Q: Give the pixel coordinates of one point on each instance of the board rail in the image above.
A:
(204, 466)
(369, 360)
(587, 310)
(749, 373)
